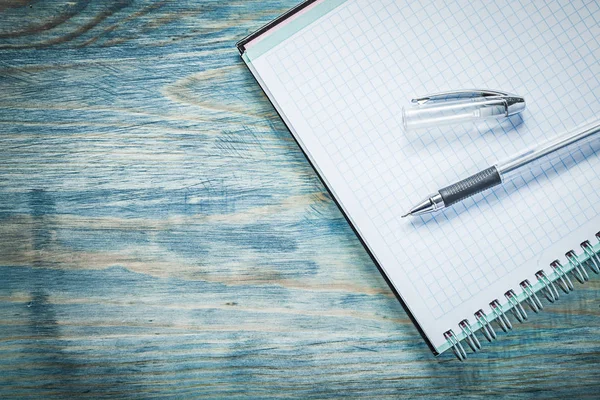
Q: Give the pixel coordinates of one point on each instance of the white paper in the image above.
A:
(340, 84)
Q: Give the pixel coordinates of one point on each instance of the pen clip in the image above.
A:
(462, 94)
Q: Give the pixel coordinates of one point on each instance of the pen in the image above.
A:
(496, 174)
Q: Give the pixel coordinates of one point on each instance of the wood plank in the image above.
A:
(162, 234)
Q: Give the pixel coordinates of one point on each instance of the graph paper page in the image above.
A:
(340, 84)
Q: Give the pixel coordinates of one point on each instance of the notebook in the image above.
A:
(339, 72)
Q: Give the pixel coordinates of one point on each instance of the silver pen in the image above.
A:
(496, 174)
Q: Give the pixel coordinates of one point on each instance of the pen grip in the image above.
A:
(470, 186)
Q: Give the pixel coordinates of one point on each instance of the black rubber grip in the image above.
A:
(470, 186)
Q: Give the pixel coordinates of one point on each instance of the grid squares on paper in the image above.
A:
(348, 74)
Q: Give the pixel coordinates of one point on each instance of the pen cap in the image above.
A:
(453, 108)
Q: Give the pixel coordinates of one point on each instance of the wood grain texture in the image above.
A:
(163, 235)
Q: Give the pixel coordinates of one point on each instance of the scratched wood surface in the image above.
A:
(161, 235)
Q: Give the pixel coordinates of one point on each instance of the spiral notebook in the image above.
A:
(338, 72)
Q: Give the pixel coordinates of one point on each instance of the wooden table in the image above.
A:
(163, 235)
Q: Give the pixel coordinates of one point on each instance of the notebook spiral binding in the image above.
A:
(577, 267)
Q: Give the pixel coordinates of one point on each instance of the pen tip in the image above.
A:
(406, 215)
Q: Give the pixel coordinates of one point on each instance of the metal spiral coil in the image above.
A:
(548, 289)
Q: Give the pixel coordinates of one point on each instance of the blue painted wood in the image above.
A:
(162, 234)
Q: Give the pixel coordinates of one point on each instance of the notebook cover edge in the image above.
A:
(241, 45)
